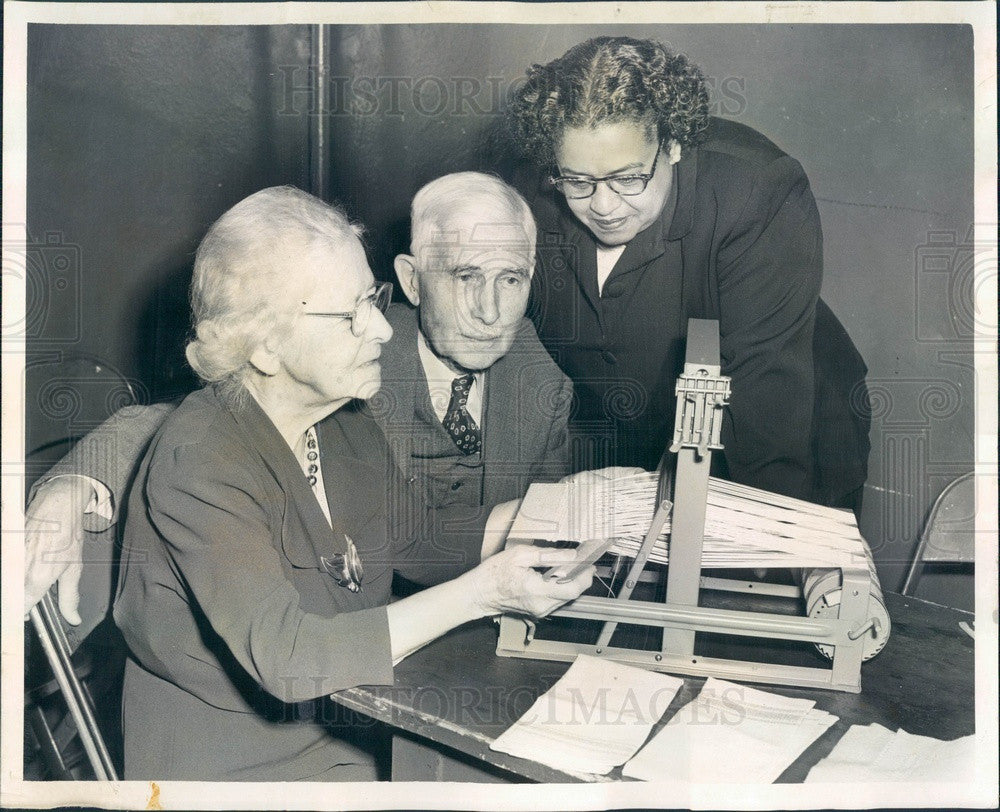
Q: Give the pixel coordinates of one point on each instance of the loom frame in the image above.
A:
(679, 615)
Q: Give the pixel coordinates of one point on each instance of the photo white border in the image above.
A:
(14, 792)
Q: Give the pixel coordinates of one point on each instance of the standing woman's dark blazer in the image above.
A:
(740, 241)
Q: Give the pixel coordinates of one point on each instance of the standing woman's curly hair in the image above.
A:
(608, 79)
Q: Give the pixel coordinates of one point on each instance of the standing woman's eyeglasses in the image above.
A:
(576, 188)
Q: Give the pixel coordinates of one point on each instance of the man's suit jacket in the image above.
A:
(111, 454)
(526, 406)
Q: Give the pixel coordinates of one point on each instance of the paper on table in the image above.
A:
(730, 734)
(593, 719)
(874, 753)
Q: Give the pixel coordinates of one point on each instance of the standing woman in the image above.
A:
(652, 212)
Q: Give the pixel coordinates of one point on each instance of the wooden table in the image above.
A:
(454, 697)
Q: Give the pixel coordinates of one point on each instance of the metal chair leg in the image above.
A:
(49, 750)
(50, 632)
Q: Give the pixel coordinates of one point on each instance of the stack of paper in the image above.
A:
(744, 526)
(874, 753)
(593, 719)
(730, 734)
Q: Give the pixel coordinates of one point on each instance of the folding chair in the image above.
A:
(949, 533)
(75, 393)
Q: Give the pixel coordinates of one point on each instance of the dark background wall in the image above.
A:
(139, 137)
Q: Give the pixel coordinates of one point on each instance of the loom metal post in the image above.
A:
(694, 459)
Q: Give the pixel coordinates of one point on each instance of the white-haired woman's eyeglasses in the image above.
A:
(361, 316)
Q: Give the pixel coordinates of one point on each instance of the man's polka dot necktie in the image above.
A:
(457, 420)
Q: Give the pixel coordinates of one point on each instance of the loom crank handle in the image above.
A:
(872, 625)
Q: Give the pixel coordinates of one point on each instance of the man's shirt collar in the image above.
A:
(439, 377)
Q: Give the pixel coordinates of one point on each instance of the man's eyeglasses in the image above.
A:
(578, 188)
(361, 316)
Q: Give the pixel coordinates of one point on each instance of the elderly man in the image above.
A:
(472, 406)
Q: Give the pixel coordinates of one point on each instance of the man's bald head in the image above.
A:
(473, 253)
(442, 206)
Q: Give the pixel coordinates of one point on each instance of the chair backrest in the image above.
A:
(950, 532)
(69, 395)
(74, 393)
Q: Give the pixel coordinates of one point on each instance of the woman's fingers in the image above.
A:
(514, 581)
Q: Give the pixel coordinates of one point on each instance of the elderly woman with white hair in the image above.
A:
(258, 549)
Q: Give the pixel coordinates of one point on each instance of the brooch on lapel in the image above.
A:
(346, 567)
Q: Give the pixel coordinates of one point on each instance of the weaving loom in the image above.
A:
(709, 524)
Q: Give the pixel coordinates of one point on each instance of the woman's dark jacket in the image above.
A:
(739, 241)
